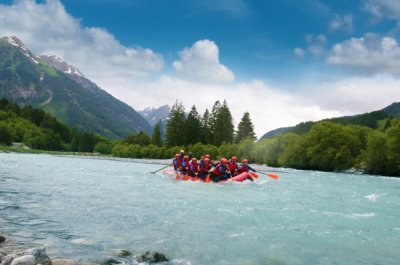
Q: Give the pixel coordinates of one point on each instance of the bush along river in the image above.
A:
(87, 210)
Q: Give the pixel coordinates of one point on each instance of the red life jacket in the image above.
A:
(233, 167)
(244, 168)
(204, 167)
(177, 163)
(216, 171)
(195, 167)
(185, 166)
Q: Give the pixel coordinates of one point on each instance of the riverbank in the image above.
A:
(14, 253)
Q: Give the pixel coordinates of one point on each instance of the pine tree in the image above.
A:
(212, 120)
(193, 126)
(176, 125)
(245, 128)
(205, 132)
(156, 137)
(223, 125)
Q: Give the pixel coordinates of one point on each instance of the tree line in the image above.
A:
(40, 130)
(215, 127)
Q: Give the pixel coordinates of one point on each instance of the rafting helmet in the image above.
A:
(194, 159)
(245, 161)
(207, 160)
(177, 156)
(182, 151)
(186, 158)
(224, 161)
(234, 158)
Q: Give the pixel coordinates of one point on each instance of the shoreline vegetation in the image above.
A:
(325, 146)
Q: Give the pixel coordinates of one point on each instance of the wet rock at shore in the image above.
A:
(2, 239)
(154, 257)
(63, 262)
(124, 253)
(35, 255)
(24, 260)
(2, 254)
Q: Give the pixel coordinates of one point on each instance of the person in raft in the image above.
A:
(221, 171)
(233, 166)
(193, 169)
(177, 163)
(246, 168)
(204, 168)
(185, 165)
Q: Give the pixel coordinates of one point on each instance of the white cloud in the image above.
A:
(369, 53)
(201, 63)
(47, 27)
(355, 95)
(343, 23)
(299, 52)
(316, 44)
(384, 8)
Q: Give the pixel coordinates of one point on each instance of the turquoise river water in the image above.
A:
(85, 208)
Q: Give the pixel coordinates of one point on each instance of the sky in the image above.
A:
(283, 61)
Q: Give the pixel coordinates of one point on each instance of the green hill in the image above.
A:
(372, 120)
(28, 80)
(40, 130)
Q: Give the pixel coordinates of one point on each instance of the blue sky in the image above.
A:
(283, 61)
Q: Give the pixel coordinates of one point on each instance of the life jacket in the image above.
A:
(218, 170)
(193, 168)
(185, 166)
(233, 167)
(177, 163)
(244, 168)
(204, 167)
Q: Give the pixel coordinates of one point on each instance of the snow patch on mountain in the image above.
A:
(17, 43)
(60, 64)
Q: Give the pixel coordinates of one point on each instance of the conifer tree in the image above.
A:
(193, 126)
(205, 135)
(245, 128)
(223, 125)
(212, 120)
(156, 137)
(176, 125)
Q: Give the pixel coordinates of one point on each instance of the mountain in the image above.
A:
(52, 84)
(370, 119)
(153, 115)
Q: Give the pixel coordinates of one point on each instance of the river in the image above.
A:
(84, 208)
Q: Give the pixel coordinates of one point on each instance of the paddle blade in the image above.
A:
(177, 176)
(254, 175)
(186, 178)
(208, 178)
(274, 176)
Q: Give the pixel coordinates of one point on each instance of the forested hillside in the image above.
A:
(28, 80)
(40, 130)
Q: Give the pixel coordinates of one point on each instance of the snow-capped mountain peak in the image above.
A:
(13, 40)
(61, 65)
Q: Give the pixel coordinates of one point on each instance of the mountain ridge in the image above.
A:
(369, 119)
(67, 94)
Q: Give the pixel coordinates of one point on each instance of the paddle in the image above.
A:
(273, 176)
(160, 169)
(254, 175)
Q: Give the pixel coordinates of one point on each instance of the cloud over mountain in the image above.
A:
(48, 28)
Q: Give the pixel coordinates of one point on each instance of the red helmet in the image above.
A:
(245, 161)
(224, 161)
(207, 156)
(234, 158)
(207, 160)
(177, 156)
(194, 159)
(186, 158)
